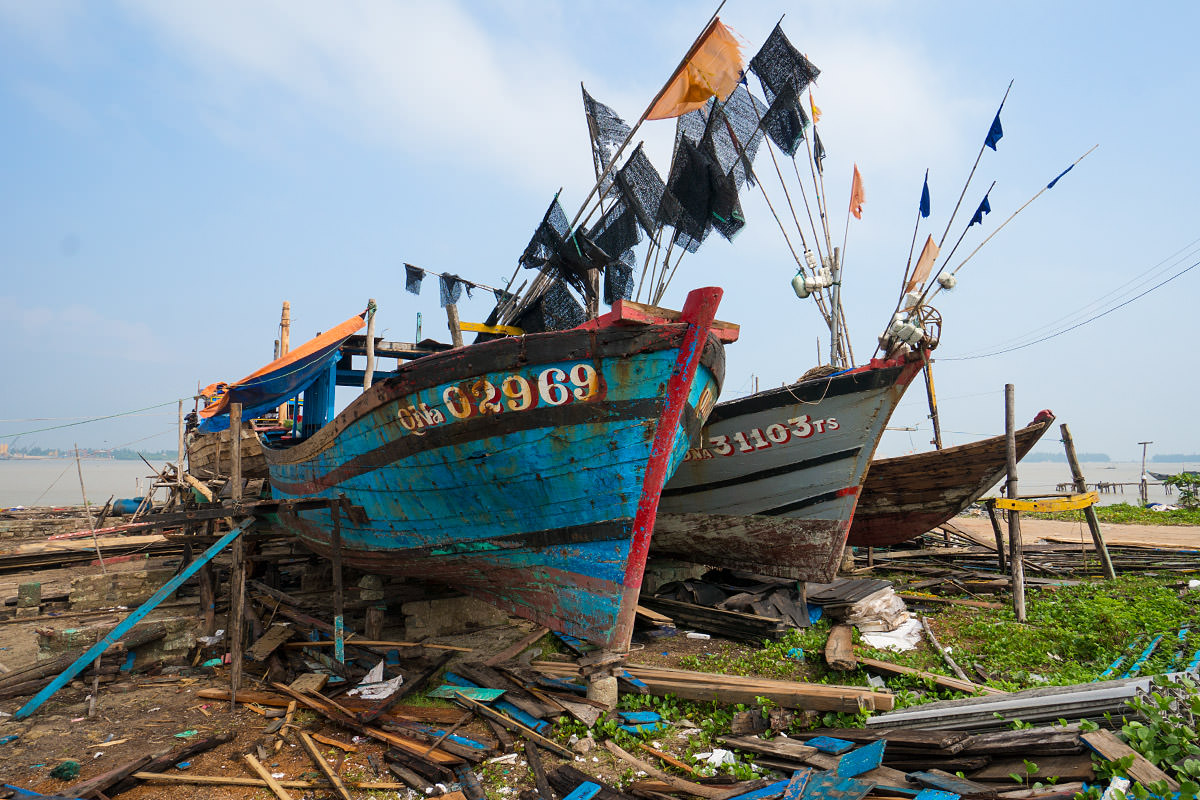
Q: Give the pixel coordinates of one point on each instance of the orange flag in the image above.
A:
(929, 255)
(715, 68)
(816, 110)
(857, 196)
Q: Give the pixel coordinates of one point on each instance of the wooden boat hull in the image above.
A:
(513, 469)
(210, 454)
(775, 485)
(907, 496)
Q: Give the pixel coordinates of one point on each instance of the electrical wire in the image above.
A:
(1080, 324)
(96, 419)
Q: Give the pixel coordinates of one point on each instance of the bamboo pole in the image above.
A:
(971, 174)
(369, 372)
(88, 509)
(237, 570)
(1016, 557)
(285, 338)
(1089, 513)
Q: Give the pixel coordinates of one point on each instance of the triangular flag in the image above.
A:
(995, 133)
(929, 255)
(1050, 185)
(816, 111)
(857, 195)
(925, 197)
(714, 68)
(984, 208)
(818, 152)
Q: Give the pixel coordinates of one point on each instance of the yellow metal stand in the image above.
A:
(1070, 502)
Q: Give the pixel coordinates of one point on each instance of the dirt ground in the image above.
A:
(141, 715)
(1050, 530)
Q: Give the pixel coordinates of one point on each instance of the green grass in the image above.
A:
(1125, 514)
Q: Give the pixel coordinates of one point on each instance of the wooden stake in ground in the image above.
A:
(326, 770)
(453, 324)
(87, 508)
(1016, 558)
(237, 572)
(1089, 513)
(272, 784)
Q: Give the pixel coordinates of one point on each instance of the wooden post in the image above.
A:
(990, 505)
(1143, 486)
(1089, 513)
(932, 396)
(285, 337)
(1016, 559)
(339, 598)
(87, 508)
(179, 464)
(455, 328)
(370, 371)
(237, 576)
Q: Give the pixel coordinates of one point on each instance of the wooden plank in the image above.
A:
(884, 776)
(272, 784)
(221, 780)
(126, 624)
(518, 647)
(539, 771)
(946, 782)
(326, 770)
(678, 784)
(958, 601)
(329, 740)
(944, 681)
(670, 759)
(1066, 768)
(310, 682)
(515, 727)
(479, 327)
(270, 641)
(351, 640)
(1109, 746)
(839, 648)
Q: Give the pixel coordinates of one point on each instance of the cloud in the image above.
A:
(77, 330)
(425, 77)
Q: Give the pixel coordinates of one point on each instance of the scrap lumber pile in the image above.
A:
(1042, 559)
(735, 605)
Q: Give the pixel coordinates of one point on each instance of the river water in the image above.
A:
(55, 482)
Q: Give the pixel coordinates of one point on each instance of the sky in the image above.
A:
(172, 172)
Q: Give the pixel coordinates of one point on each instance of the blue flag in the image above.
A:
(984, 208)
(925, 196)
(818, 152)
(1050, 185)
(995, 133)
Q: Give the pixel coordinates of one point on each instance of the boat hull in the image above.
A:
(905, 497)
(511, 469)
(775, 485)
(211, 454)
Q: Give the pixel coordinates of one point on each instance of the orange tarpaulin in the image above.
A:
(714, 68)
(857, 195)
(329, 338)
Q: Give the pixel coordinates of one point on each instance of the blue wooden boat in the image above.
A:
(524, 470)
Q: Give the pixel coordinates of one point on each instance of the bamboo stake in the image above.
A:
(88, 509)
(1089, 512)
(369, 372)
(272, 784)
(1016, 558)
(982, 147)
(326, 770)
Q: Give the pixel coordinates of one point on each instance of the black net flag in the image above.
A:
(607, 131)
(555, 310)
(569, 256)
(785, 121)
(642, 190)
(450, 289)
(618, 279)
(412, 278)
(779, 65)
(736, 135)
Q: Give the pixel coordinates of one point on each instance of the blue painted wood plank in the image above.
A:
(864, 759)
(640, 717)
(828, 786)
(797, 784)
(768, 792)
(830, 745)
(1136, 667)
(584, 791)
(935, 794)
(124, 626)
(474, 692)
